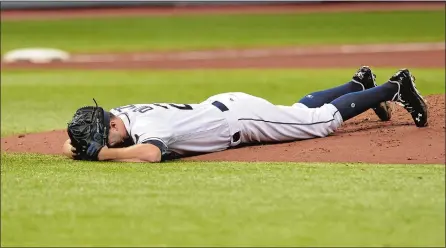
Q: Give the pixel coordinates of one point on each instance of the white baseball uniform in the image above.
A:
(224, 121)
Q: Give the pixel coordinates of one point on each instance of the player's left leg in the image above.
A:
(400, 88)
(363, 79)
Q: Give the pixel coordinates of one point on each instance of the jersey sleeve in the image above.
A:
(148, 132)
(158, 143)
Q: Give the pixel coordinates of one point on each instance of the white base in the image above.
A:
(36, 55)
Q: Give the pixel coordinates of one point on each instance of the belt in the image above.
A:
(223, 108)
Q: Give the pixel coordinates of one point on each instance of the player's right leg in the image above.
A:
(363, 79)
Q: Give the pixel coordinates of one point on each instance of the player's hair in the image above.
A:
(111, 116)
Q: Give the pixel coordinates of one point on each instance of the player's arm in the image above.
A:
(136, 153)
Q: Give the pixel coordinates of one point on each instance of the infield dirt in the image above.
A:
(362, 139)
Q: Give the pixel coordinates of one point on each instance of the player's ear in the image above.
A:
(113, 124)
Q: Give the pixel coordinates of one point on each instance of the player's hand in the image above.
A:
(68, 150)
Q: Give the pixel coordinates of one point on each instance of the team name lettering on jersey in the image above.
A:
(144, 108)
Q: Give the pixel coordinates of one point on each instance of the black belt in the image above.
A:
(223, 108)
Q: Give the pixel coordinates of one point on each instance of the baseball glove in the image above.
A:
(88, 131)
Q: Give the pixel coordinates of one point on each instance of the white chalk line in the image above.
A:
(256, 53)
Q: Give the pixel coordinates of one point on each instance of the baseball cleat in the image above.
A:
(409, 97)
(366, 78)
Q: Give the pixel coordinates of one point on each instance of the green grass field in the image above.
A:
(52, 201)
(48, 201)
(223, 31)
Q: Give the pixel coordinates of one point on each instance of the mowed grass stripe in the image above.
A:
(48, 201)
(223, 31)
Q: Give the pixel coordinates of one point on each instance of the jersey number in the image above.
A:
(145, 108)
(182, 107)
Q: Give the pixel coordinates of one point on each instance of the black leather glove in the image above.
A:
(88, 132)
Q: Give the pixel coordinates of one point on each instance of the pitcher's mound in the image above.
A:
(362, 139)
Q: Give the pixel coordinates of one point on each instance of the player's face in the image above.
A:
(114, 138)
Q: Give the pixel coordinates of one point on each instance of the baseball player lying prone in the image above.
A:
(158, 131)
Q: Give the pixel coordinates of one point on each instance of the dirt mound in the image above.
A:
(42, 143)
(362, 139)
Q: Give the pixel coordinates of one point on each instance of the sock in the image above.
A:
(319, 98)
(353, 104)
